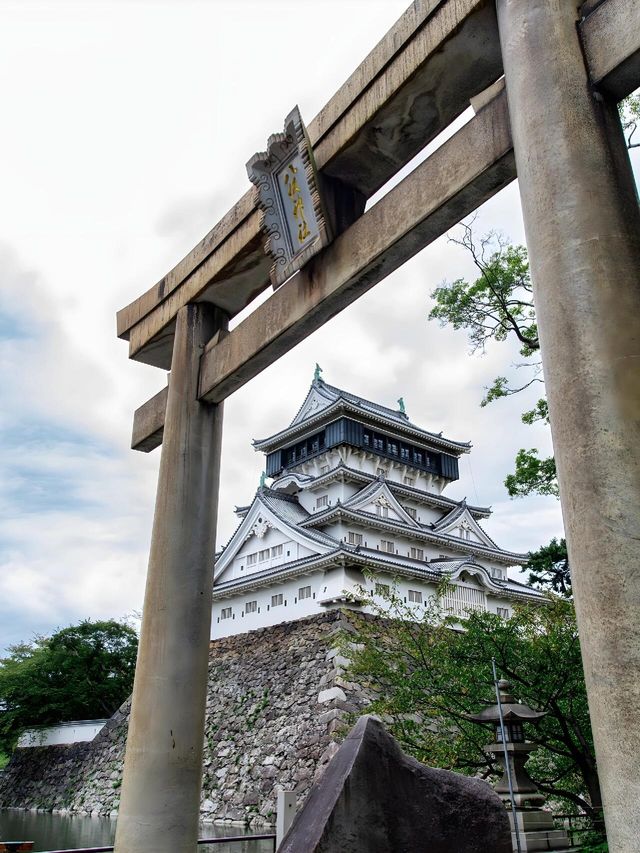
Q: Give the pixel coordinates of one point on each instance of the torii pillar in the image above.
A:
(582, 225)
(160, 800)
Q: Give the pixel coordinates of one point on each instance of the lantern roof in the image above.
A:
(511, 710)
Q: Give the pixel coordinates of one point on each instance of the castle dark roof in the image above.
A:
(324, 401)
(332, 394)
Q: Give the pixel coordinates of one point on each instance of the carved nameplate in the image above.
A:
(288, 196)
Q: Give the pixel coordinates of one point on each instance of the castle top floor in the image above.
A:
(381, 438)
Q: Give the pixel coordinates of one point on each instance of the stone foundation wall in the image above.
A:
(275, 703)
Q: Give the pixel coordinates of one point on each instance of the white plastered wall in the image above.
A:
(327, 591)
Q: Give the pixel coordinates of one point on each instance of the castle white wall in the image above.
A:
(260, 553)
(78, 731)
(317, 499)
(404, 546)
(328, 590)
(242, 618)
(371, 463)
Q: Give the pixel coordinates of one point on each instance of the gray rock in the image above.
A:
(331, 694)
(373, 798)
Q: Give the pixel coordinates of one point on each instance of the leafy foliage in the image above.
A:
(81, 672)
(496, 306)
(630, 117)
(498, 303)
(427, 676)
(549, 568)
(532, 475)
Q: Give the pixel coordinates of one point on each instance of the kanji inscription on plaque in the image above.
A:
(288, 195)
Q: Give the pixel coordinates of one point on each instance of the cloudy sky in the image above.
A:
(125, 129)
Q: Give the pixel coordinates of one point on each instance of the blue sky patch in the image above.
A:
(13, 327)
(29, 485)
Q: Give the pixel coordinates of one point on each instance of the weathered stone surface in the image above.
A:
(582, 224)
(265, 728)
(331, 694)
(375, 799)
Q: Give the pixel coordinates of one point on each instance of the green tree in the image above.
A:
(548, 568)
(81, 672)
(426, 676)
(497, 306)
(630, 117)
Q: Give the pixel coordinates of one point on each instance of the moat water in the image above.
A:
(64, 832)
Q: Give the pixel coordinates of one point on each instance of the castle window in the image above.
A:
(503, 612)
(417, 456)
(392, 448)
(276, 551)
(378, 443)
(409, 481)
(382, 511)
(417, 554)
(388, 546)
(252, 559)
(226, 613)
(321, 501)
(251, 607)
(415, 595)
(304, 592)
(496, 573)
(404, 454)
(264, 555)
(412, 511)
(355, 538)
(382, 589)
(276, 600)
(366, 438)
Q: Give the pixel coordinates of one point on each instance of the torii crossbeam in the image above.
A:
(566, 65)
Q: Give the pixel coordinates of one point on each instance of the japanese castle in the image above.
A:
(356, 502)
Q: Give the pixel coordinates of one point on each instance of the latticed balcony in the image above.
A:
(461, 600)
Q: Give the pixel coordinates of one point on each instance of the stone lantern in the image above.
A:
(535, 826)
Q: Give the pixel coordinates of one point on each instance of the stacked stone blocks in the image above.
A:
(276, 706)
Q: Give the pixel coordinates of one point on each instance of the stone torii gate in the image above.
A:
(556, 127)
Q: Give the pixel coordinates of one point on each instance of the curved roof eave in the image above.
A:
(380, 488)
(264, 444)
(343, 556)
(429, 498)
(509, 557)
(462, 511)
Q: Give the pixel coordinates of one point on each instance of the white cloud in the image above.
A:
(126, 129)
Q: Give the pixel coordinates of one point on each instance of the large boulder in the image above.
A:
(373, 798)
